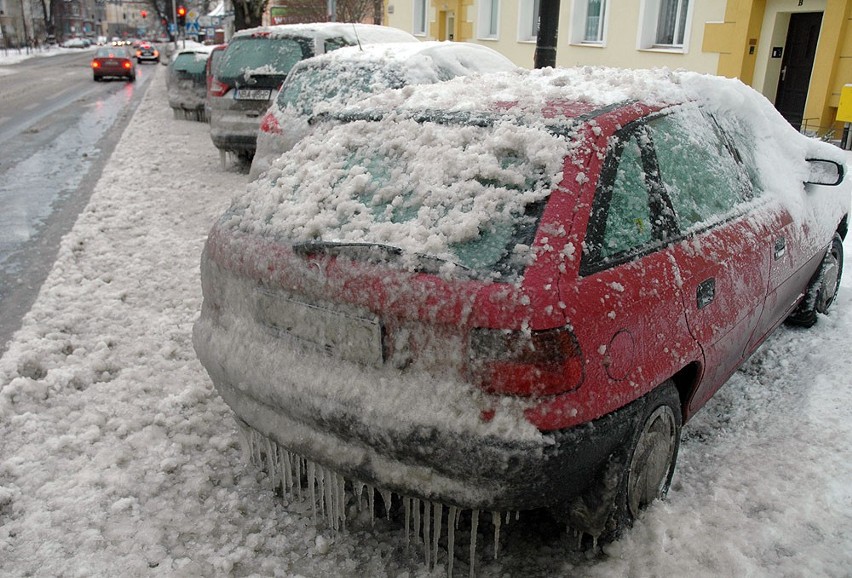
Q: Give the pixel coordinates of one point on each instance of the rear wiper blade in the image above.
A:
(378, 253)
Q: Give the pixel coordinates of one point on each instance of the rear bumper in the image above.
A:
(412, 434)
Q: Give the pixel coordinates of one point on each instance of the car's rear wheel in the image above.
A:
(822, 290)
(650, 458)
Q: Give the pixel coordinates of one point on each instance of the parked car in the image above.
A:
(186, 82)
(113, 62)
(255, 64)
(509, 292)
(76, 43)
(146, 52)
(211, 69)
(330, 81)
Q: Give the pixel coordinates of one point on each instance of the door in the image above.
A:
(796, 66)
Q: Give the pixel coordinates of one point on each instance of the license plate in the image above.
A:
(352, 335)
(252, 94)
(111, 62)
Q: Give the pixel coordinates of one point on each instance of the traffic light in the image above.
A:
(181, 16)
(143, 13)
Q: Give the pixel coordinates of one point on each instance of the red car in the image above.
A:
(115, 62)
(509, 292)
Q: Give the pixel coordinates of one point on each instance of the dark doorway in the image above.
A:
(796, 66)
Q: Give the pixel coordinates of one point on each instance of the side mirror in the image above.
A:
(824, 172)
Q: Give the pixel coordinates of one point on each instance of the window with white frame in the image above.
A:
(528, 20)
(419, 17)
(588, 21)
(489, 18)
(665, 24)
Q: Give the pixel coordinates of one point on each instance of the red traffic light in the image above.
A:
(181, 11)
(143, 13)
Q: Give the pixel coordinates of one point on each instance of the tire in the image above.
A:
(131, 78)
(823, 287)
(649, 460)
(97, 78)
(637, 473)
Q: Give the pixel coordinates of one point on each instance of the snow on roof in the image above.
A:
(422, 62)
(194, 48)
(355, 33)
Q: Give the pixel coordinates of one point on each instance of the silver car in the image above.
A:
(329, 82)
(257, 61)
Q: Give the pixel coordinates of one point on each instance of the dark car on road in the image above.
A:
(509, 292)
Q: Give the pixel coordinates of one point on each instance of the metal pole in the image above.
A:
(548, 28)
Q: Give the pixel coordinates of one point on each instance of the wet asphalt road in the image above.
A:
(57, 129)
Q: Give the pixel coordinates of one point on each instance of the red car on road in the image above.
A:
(113, 62)
(509, 292)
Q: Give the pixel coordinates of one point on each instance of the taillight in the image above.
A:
(138, 53)
(156, 53)
(127, 64)
(96, 64)
(217, 88)
(269, 124)
(525, 363)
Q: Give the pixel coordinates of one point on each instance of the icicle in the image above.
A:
(437, 522)
(342, 490)
(359, 488)
(507, 518)
(416, 520)
(371, 502)
(328, 498)
(311, 473)
(272, 461)
(299, 471)
(287, 471)
(594, 543)
(495, 519)
(579, 539)
(427, 543)
(451, 539)
(406, 502)
(474, 523)
(387, 497)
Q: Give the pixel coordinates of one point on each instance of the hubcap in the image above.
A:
(828, 286)
(652, 460)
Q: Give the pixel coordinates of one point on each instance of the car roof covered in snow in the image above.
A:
(354, 33)
(420, 62)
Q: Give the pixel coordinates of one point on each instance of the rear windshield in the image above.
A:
(191, 62)
(466, 195)
(111, 52)
(250, 56)
(336, 84)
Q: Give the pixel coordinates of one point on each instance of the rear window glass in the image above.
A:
(466, 195)
(192, 63)
(249, 56)
(111, 52)
(335, 83)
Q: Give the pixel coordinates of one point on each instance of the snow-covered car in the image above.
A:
(257, 61)
(113, 62)
(328, 82)
(187, 81)
(509, 292)
(75, 42)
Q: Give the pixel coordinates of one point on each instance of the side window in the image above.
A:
(334, 43)
(628, 220)
(698, 170)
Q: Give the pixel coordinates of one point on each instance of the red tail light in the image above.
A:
(217, 88)
(127, 64)
(96, 64)
(138, 53)
(525, 363)
(269, 124)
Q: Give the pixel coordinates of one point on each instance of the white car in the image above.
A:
(328, 82)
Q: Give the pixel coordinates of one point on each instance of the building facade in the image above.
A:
(798, 53)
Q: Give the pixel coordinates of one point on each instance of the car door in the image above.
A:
(630, 319)
(723, 251)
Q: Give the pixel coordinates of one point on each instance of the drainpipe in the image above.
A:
(548, 26)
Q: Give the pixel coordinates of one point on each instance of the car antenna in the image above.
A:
(355, 29)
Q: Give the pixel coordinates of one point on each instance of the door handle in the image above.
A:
(780, 247)
(706, 292)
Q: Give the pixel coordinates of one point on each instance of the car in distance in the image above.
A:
(509, 292)
(113, 62)
(327, 82)
(255, 64)
(186, 82)
(146, 52)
